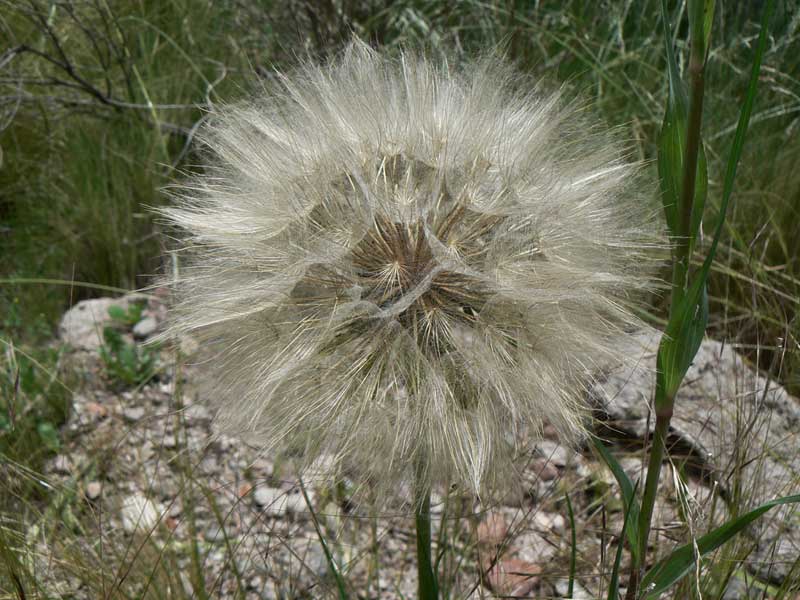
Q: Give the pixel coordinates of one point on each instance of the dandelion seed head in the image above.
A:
(394, 262)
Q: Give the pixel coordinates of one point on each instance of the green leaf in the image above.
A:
(688, 320)
(49, 436)
(573, 555)
(708, 21)
(672, 148)
(117, 313)
(738, 140)
(681, 340)
(613, 584)
(681, 561)
(628, 495)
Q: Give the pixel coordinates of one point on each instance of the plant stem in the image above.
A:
(657, 452)
(428, 586)
(664, 400)
(693, 140)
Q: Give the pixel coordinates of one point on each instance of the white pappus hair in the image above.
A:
(394, 262)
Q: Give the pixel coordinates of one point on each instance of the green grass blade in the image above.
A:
(668, 571)
(14, 569)
(613, 584)
(684, 333)
(681, 339)
(340, 585)
(672, 146)
(573, 554)
(628, 495)
(708, 21)
(738, 140)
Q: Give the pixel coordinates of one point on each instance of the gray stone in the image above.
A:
(93, 490)
(197, 412)
(547, 521)
(82, 325)
(145, 328)
(215, 533)
(731, 422)
(133, 414)
(739, 590)
(534, 548)
(62, 465)
(313, 557)
(554, 453)
(277, 502)
(578, 591)
(139, 513)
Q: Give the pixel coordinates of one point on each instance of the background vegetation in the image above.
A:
(100, 101)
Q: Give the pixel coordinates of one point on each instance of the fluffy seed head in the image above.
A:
(394, 263)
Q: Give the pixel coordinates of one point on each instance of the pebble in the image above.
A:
(578, 591)
(313, 558)
(197, 412)
(93, 490)
(96, 409)
(133, 414)
(215, 533)
(262, 467)
(544, 469)
(534, 548)
(556, 454)
(514, 578)
(62, 465)
(139, 513)
(145, 328)
(550, 521)
(493, 530)
(276, 501)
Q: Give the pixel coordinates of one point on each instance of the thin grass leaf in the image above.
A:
(738, 140)
(681, 339)
(573, 548)
(13, 567)
(708, 21)
(686, 328)
(671, 569)
(613, 584)
(340, 585)
(631, 504)
(672, 147)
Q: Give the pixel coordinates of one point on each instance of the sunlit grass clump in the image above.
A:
(408, 269)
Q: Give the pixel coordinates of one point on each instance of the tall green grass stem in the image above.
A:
(428, 585)
(697, 62)
(665, 400)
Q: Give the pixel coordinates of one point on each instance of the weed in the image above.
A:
(127, 364)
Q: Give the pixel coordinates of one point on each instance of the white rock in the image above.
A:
(534, 548)
(578, 591)
(145, 328)
(277, 502)
(133, 414)
(550, 521)
(82, 325)
(62, 465)
(93, 490)
(139, 513)
(197, 412)
(556, 454)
